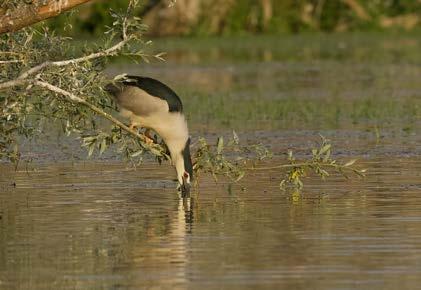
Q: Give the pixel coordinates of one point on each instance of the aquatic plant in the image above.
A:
(213, 160)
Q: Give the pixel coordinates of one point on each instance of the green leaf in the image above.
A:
(235, 138)
(324, 149)
(220, 145)
(327, 156)
(137, 153)
(91, 149)
(102, 146)
(349, 163)
(119, 77)
(240, 176)
(155, 152)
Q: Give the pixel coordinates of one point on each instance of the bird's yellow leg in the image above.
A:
(148, 138)
(132, 126)
(148, 133)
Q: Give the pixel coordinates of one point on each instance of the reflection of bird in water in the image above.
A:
(150, 104)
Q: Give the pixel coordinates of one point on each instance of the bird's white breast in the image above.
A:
(145, 110)
(171, 127)
(140, 102)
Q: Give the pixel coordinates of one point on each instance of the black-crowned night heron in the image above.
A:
(150, 104)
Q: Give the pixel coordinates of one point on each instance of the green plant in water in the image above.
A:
(320, 163)
(214, 160)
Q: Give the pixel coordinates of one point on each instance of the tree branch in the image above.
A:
(73, 98)
(26, 14)
(311, 164)
(110, 51)
(10, 61)
(13, 83)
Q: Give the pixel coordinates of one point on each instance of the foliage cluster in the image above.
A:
(43, 81)
(232, 160)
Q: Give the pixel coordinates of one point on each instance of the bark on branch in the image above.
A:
(26, 14)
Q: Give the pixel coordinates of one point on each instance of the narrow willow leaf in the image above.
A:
(155, 152)
(137, 153)
(240, 176)
(282, 184)
(220, 145)
(349, 163)
(327, 156)
(324, 149)
(91, 149)
(102, 146)
(120, 77)
(235, 137)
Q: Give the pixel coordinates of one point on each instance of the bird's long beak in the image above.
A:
(185, 188)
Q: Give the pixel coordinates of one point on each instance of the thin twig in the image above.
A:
(308, 164)
(14, 83)
(11, 53)
(10, 61)
(110, 51)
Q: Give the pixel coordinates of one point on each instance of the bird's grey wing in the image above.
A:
(157, 89)
(140, 102)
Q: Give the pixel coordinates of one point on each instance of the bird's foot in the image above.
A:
(148, 140)
(148, 133)
(132, 126)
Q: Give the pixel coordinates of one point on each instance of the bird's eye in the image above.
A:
(185, 175)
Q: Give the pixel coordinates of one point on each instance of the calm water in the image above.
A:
(66, 223)
(103, 226)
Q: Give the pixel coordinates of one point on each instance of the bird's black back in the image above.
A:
(156, 89)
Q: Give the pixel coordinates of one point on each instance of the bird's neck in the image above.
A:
(176, 138)
(178, 162)
(173, 131)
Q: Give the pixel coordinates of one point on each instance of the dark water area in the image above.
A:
(71, 223)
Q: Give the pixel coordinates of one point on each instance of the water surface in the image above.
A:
(67, 223)
(104, 226)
